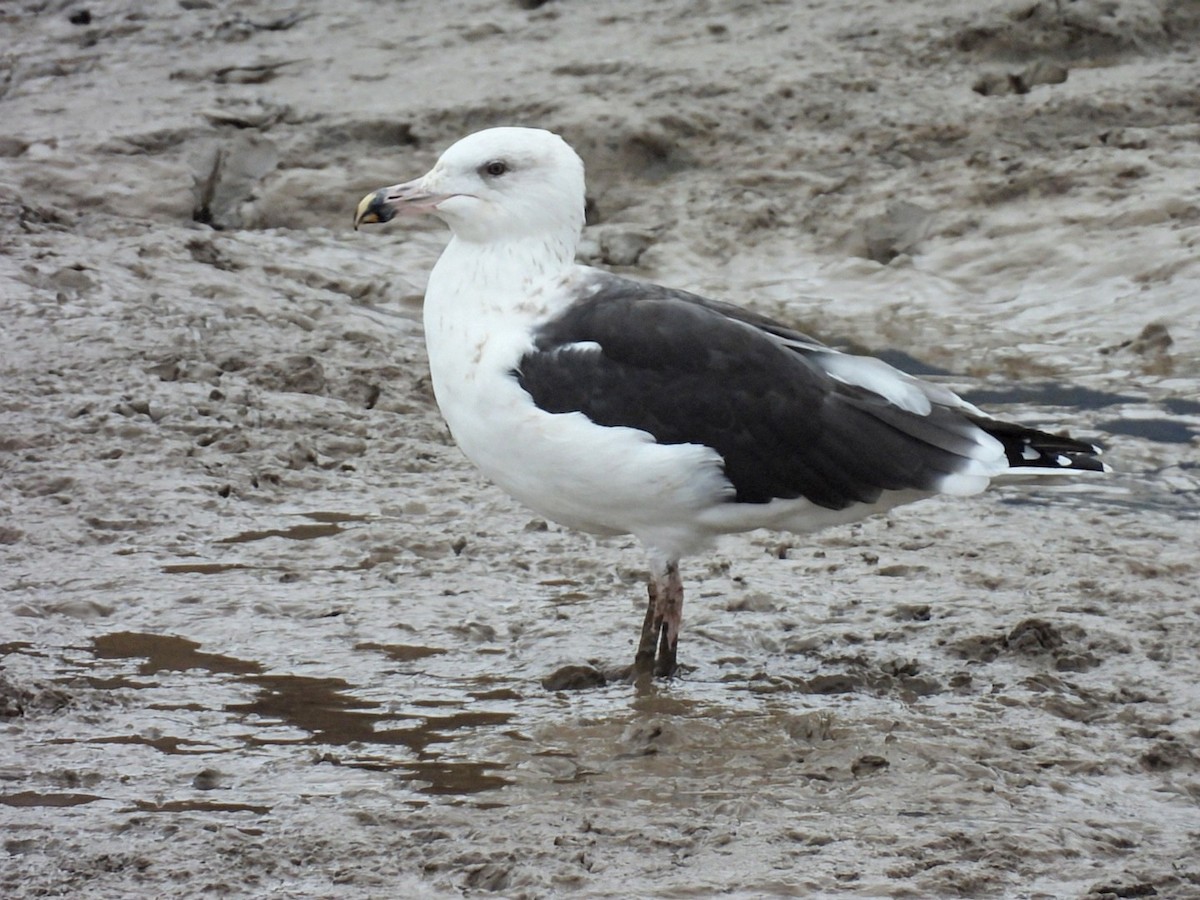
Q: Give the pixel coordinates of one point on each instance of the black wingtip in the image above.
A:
(1028, 448)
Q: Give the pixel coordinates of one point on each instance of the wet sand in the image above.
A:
(264, 632)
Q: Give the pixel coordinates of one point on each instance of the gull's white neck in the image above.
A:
(481, 307)
(499, 276)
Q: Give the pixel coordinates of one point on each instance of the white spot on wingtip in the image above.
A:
(1063, 460)
(1027, 452)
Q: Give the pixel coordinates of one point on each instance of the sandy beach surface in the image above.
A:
(265, 633)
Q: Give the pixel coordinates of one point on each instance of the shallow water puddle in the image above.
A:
(1160, 431)
(896, 358)
(324, 523)
(34, 798)
(305, 710)
(304, 532)
(401, 652)
(323, 708)
(335, 517)
(1159, 428)
(1048, 393)
(167, 653)
(174, 746)
(199, 806)
(202, 568)
(455, 777)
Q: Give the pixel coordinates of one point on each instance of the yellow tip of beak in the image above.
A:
(368, 210)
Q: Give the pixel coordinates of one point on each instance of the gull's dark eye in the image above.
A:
(495, 168)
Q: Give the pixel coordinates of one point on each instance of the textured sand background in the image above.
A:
(263, 632)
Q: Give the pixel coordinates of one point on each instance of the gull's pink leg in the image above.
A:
(643, 662)
(669, 611)
(660, 629)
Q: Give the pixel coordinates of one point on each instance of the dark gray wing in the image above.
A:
(691, 370)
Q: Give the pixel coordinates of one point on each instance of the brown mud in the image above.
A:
(264, 632)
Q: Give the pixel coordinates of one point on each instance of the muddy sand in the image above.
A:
(264, 632)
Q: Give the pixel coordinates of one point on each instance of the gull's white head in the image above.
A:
(495, 185)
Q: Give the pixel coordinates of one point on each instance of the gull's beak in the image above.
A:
(383, 205)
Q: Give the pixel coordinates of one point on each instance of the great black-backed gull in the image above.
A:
(619, 407)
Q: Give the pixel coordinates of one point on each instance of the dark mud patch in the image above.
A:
(574, 678)
(20, 700)
(1065, 646)
(1074, 31)
(890, 678)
